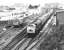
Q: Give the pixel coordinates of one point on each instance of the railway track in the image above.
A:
(40, 39)
(4, 33)
(28, 38)
(32, 40)
(23, 44)
(17, 39)
(8, 34)
(38, 36)
(38, 42)
(22, 34)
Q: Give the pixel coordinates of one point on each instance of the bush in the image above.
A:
(54, 40)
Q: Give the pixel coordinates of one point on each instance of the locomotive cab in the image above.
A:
(31, 28)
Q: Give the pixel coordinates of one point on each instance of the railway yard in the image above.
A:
(27, 31)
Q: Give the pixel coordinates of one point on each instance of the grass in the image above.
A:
(55, 40)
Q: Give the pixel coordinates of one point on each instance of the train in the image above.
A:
(34, 28)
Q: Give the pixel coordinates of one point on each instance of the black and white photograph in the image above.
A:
(31, 24)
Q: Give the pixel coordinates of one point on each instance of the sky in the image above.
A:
(42, 2)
